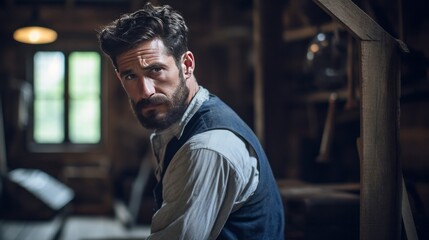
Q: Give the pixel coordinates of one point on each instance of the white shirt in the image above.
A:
(212, 175)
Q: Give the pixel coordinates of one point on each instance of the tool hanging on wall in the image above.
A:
(328, 131)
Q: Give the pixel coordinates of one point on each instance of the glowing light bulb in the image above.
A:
(34, 36)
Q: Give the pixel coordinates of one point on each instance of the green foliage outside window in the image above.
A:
(79, 101)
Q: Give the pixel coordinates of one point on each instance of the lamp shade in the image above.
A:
(35, 35)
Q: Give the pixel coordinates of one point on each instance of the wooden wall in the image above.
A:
(294, 105)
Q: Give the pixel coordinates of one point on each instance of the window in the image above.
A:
(67, 97)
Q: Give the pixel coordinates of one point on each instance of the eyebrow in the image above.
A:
(154, 65)
(150, 66)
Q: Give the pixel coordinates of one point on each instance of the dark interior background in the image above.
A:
(294, 99)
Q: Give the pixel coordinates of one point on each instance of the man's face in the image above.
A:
(155, 85)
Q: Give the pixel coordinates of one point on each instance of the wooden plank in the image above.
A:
(353, 18)
(407, 216)
(380, 168)
(3, 162)
(258, 87)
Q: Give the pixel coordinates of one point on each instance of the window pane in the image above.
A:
(84, 74)
(49, 73)
(84, 82)
(48, 94)
(48, 121)
(85, 121)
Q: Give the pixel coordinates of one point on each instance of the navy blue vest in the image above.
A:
(262, 216)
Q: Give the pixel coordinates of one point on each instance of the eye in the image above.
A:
(129, 77)
(156, 70)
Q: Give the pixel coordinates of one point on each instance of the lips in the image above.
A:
(149, 107)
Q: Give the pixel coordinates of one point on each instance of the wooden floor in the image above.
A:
(71, 228)
(29, 230)
(100, 228)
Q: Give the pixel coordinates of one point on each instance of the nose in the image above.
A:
(146, 87)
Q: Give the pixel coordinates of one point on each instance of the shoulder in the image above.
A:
(219, 145)
(219, 140)
(214, 156)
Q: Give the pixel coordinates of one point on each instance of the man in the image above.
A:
(214, 180)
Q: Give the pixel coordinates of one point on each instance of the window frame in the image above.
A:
(66, 145)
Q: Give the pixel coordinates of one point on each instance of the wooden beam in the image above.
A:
(380, 167)
(3, 155)
(258, 88)
(352, 18)
(380, 204)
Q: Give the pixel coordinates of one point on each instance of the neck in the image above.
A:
(193, 87)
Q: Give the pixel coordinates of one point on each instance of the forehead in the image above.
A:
(143, 54)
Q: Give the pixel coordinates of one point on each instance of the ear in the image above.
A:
(188, 64)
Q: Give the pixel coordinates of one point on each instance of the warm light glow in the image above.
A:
(314, 47)
(35, 35)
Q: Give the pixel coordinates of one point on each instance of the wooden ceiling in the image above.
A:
(83, 17)
(65, 16)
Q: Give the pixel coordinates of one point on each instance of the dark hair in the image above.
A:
(145, 24)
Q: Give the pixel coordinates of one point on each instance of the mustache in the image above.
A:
(152, 100)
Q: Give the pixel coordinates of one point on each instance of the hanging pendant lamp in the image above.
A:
(35, 32)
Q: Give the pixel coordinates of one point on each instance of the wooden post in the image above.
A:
(258, 94)
(267, 40)
(380, 204)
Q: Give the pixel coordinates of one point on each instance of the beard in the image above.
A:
(176, 107)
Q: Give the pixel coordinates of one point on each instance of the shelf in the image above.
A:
(318, 96)
(309, 31)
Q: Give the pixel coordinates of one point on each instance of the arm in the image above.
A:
(201, 187)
